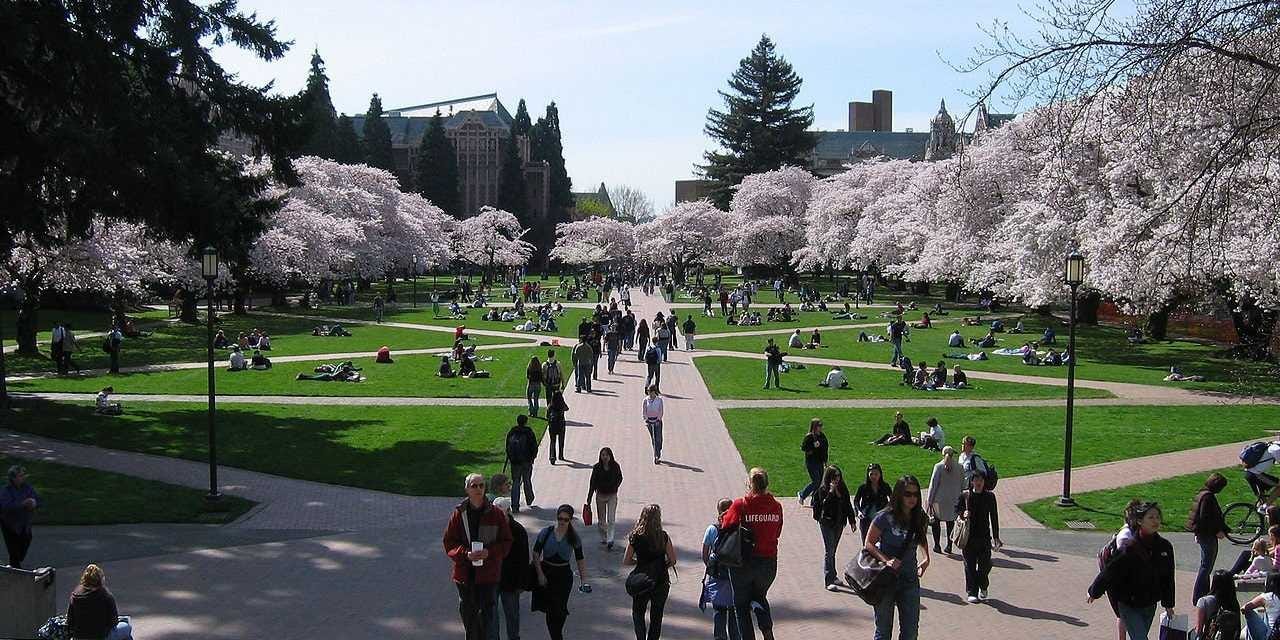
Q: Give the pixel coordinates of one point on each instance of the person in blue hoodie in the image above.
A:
(18, 503)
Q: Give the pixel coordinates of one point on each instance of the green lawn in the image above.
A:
(740, 378)
(80, 496)
(1105, 509)
(1017, 440)
(88, 320)
(567, 324)
(410, 450)
(179, 342)
(412, 375)
(1104, 352)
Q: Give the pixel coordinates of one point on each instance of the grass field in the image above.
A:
(412, 375)
(410, 450)
(180, 342)
(741, 378)
(1017, 440)
(1104, 352)
(80, 496)
(567, 325)
(1105, 509)
(88, 321)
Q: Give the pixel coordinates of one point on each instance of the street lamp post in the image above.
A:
(415, 282)
(1073, 276)
(209, 269)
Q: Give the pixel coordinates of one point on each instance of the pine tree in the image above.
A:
(511, 190)
(347, 149)
(522, 123)
(377, 137)
(437, 174)
(545, 144)
(319, 125)
(760, 131)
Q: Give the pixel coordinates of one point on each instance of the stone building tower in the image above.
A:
(943, 141)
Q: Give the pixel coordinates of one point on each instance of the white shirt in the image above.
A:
(103, 402)
(653, 408)
(237, 359)
(835, 378)
(967, 461)
(1268, 459)
(796, 342)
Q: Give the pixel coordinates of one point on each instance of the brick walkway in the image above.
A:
(384, 578)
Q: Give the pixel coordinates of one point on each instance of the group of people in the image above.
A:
(925, 379)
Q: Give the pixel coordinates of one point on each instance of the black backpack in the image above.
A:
(1225, 625)
(1252, 454)
(733, 546)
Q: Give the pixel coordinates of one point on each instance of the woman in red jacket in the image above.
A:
(762, 514)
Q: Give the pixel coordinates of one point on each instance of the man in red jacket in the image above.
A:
(477, 539)
(762, 514)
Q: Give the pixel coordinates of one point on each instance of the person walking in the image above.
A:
(895, 535)
(552, 376)
(92, 611)
(653, 367)
(897, 329)
(515, 567)
(114, 341)
(612, 344)
(1139, 575)
(1208, 525)
(969, 459)
(652, 413)
(583, 359)
(18, 504)
(597, 349)
(627, 325)
(978, 507)
(872, 496)
(642, 340)
(772, 362)
(533, 386)
(762, 514)
(650, 551)
(716, 589)
(672, 321)
(832, 508)
(69, 347)
(556, 408)
(55, 346)
(522, 449)
(816, 450)
(555, 548)
(690, 329)
(377, 308)
(945, 487)
(606, 477)
(662, 336)
(477, 539)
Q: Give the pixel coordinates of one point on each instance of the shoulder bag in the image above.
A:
(870, 578)
(960, 535)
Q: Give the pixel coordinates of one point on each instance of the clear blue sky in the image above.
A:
(633, 83)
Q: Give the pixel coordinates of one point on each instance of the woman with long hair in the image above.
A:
(1218, 611)
(872, 496)
(832, 508)
(606, 477)
(556, 408)
(814, 446)
(649, 549)
(1140, 575)
(556, 547)
(92, 610)
(1208, 525)
(533, 375)
(642, 339)
(762, 514)
(945, 487)
(895, 535)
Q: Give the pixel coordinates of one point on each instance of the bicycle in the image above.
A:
(1247, 521)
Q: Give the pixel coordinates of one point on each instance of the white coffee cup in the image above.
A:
(477, 546)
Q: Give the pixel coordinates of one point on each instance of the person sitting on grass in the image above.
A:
(264, 343)
(1052, 359)
(1049, 337)
(835, 379)
(921, 378)
(937, 309)
(986, 342)
(384, 355)
(908, 372)
(795, 341)
(938, 379)
(924, 323)
(456, 310)
(933, 439)
(446, 369)
(1018, 328)
(997, 325)
(220, 340)
(815, 339)
(527, 325)
(955, 340)
(338, 330)
(104, 405)
(959, 380)
(901, 433)
(260, 362)
(1029, 355)
(237, 362)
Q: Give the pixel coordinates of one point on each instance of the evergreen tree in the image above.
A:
(377, 137)
(319, 125)
(437, 174)
(511, 189)
(545, 144)
(347, 149)
(522, 123)
(760, 131)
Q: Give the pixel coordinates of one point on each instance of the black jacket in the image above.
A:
(606, 481)
(984, 516)
(1206, 519)
(868, 502)
(91, 613)
(815, 447)
(834, 507)
(515, 565)
(1140, 575)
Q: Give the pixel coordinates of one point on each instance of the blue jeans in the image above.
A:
(771, 371)
(613, 357)
(815, 477)
(1137, 622)
(1255, 623)
(531, 394)
(655, 436)
(831, 534)
(662, 348)
(906, 597)
(521, 475)
(509, 604)
(897, 350)
(640, 349)
(723, 624)
(582, 375)
(654, 377)
(751, 584)
(1208, 555)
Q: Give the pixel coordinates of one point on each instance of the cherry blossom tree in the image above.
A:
(594, 240)
(492, 237)
(768, 213)
(686, 234)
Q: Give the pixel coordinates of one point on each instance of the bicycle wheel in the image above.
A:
(1244, 521)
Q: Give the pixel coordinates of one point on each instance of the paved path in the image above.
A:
(382, 575)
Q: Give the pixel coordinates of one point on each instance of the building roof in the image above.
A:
(486, 103)
(601, 195)
(408, 124)
(995, 120)
(844, 145)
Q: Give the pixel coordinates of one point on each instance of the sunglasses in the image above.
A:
(564, 519)
(476, 485)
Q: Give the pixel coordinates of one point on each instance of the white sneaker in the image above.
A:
(832, 588)
(972, 599)
(982, 595)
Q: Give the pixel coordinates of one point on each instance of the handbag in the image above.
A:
(870, 578)
(586, 513)
(960, 535)
(1174, 628)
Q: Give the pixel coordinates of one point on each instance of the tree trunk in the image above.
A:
(920, 288)
(190, 300)
(27, 323)
(1087, 307)
(324, 288)
(238, 305)
(277, 297)
(1157, 325)
(1255, 327)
